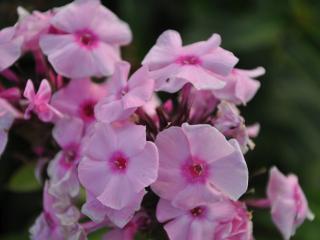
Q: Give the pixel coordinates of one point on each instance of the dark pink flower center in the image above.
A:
(195, 170)
(197, 211)
(188, 60)
(119, 162)
(87, 38)
(70, 156)
(87, 110)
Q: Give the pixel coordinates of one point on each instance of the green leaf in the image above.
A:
(24, 180)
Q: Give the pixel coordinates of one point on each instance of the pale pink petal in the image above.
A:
(119, 78)
(165, 51)
(168, 184)
(93, 175)
(105, 56)
(102, 144)
(195, 195)
(112, 197)
(219, 61)
(233, 166)
(173, 147)
(110, 111)
(76, 16)
(44, 91)
(10, 47)
(165, 79)
(74, 62)
(166, 211)
(141, 88)
(144, 167)
(29, 91)
(115, 32)
(257, 72)
(68, 131)
(216, 146)
(51, 43)
(246, 88)
(177, 229)
(121, 217)
(203, 47)
(201, 78)
(131, 139)
(283, 215)
(3, 140)
(278, 185)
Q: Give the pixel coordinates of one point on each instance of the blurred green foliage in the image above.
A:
(283, 36)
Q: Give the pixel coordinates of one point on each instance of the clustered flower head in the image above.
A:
(122, 159)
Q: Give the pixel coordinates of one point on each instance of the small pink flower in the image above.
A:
(10, 47)
(198, 222)
(58, 220)
(231, 124)
(128, 232)
(79, 98)
(39, 102)
(62, 169)
(87, 42)
(118, 158)
(289, 206)
(240, 88)
(97, 212)
(237, 224)
(125, 96)
(194, 163)
(173, 65)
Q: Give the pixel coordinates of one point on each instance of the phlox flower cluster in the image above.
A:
(125, 160)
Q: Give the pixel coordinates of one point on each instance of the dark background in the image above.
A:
(281, 35)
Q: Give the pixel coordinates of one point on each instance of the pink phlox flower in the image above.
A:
(38, 102)
(139, 222)
(232, 125)
(62, 170)
(31, 26)
(59, 220)
(240, 86)
(97, 212)
(118, 158)
(87, 41)
(125, 96)
(7, 116)
(173, 65)
(289, 206)
(79, 98)
(237, 225)
(194, 222)
(194, 160)
(10, 47)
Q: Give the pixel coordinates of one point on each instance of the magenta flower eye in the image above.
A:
(188, 60)
(120, 162)
(196, 169)
(87, 38)
(197, 212)
(70, 156)
(87, 110)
